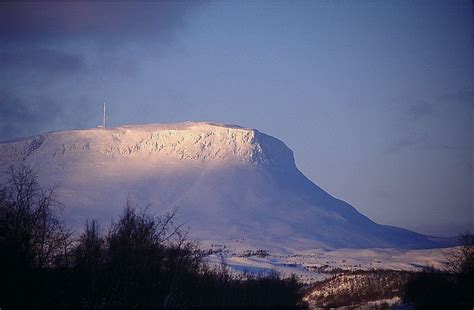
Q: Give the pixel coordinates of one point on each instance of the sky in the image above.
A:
(375, 98)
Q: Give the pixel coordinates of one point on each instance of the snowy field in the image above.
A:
(316, 265)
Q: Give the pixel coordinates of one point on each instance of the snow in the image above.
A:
(183, 141)
(228, 183)
(318, 264)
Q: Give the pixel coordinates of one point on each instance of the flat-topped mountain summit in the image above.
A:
(186, 141)
(229, 184)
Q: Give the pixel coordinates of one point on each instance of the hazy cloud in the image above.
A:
(419, 109)
(419, 142)
(463, 97)
(416, 109)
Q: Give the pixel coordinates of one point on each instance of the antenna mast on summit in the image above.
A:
(103, 122)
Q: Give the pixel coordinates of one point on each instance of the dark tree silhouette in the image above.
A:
(142, 261)
(31, 236)
(450, 288)
(89, 257)
(460, 261)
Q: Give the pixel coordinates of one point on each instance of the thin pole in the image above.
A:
(104, 116)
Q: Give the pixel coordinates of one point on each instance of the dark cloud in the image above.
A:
(52, 36)
(40, 59)
(36, 111)
(57, 59)
(111, 22)
(18, 116)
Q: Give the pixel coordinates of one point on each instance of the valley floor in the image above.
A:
(316, 265)
(368, 278)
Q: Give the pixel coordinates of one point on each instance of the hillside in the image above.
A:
(228, 183)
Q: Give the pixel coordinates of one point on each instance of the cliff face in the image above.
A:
(184, 141)
(229, 183)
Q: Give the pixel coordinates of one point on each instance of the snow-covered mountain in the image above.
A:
(230, 184)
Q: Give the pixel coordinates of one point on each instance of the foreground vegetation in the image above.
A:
(141, 261)
(145, 261)
(359, 288)
(450, 287)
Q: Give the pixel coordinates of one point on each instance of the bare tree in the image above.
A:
(31, 236)
(29, 229)
(460, 261)
(143, 260)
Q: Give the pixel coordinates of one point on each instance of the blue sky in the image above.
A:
(374, 97)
